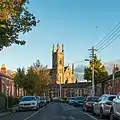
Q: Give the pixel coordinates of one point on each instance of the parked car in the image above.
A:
(103, 105)
(72, 100)
(29, 103)
(115, 109)
(90, 100)
(79, 101)
(39, 101)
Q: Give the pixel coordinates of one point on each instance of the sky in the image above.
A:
(78, 24)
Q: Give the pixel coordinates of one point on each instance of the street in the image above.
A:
(53, 111)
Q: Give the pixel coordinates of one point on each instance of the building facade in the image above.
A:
(70, 90)
(60, 73)
(7, 85)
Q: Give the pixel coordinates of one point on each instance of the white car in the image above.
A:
(28, 103)
(115, 109)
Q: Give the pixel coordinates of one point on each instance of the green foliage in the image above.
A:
(20, 77)
(30, 81)
(14, 19)
(2, 101)
(100, 73)
(35, 81)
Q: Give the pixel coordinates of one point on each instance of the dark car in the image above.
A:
(89, 103)
(79, 101)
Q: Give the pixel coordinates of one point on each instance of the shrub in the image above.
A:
(2, 101)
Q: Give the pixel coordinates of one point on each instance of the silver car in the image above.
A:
(115, 109)
(28, 103)
(103, 105)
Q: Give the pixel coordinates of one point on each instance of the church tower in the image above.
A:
(58, 64)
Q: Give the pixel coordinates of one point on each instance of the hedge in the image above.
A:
(11, 102)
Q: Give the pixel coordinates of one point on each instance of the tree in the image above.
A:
(35, 81)
(20, 77)
(27, 81)
(14, 20)
(44, 82)
(30, 81)
(100, 72)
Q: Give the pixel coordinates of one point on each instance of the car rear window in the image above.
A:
(81, 98)
(73, 98)
(93, 99)
(111, 98)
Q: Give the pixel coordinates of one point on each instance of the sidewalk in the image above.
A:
(10, 110)
(4, 113)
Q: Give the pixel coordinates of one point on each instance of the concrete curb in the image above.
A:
(3, 114)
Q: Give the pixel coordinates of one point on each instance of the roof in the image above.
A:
(4, 75)
(65, 68)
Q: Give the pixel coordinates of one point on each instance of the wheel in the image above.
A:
(93, 110)
(111, 117)
(85, 109)
(101, 113)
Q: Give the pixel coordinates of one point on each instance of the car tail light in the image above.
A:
(108, 103)
(87, 104)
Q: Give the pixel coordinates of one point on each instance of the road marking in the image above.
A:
(72, 118)
(91, 116)
(35, 113)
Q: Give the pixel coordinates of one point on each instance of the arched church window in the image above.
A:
(60, 62)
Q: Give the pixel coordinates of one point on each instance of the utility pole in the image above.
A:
(93, 81)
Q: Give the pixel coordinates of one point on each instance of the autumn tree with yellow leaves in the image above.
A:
(14, 19)
(36, 80)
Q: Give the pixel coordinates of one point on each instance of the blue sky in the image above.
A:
(71, 22)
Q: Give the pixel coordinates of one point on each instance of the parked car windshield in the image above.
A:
(73, 98)
(81, 98)
(111, 98)
(28, 99)
(92, 99)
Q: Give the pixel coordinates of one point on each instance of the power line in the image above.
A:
(102, 48)
(108, 35)
(109, 39)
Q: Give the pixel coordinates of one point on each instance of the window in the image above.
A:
(28, 99)
(92, 99)
(60, 61)
(111, 98)
(118, 96)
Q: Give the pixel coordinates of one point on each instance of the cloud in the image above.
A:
(79, 70)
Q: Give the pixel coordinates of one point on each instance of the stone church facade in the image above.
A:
(60, 74)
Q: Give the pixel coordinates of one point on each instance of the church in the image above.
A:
(60, 74)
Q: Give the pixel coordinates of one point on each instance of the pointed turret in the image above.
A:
(58, 47)
(53, 48)
(73, 68)
(62, 47)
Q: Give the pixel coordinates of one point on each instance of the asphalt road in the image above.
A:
(53, 111)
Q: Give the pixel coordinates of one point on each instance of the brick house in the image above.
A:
(7, 85)
(70, 89)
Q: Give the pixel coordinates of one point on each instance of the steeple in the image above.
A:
(72, 67)
(58, 47)
(53, 48)
(62, 47)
